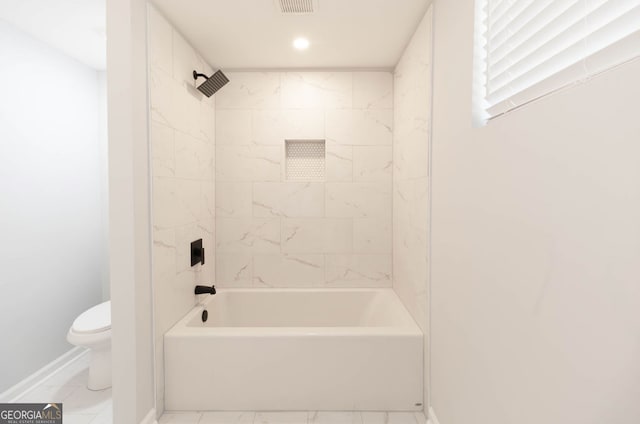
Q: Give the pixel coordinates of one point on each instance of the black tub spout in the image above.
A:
(205, 290)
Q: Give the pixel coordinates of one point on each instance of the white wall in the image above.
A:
(52, 254)
(332, 232)
(103, 145)
(535, 248)
(412, 120)
(129, 212)
(183, 205)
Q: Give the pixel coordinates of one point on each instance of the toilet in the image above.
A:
(92, 329)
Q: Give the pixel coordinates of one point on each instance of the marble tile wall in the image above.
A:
(412, 115)
(271, 232)
(183, 157)
(412, 103)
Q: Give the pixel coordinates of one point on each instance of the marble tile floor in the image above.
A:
(320, 417)
(68, 386)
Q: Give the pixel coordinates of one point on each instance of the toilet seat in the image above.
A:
(92, 330)
(94, 320)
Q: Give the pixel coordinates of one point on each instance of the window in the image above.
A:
(525, 49)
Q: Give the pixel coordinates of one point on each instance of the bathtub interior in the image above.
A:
(302, 308)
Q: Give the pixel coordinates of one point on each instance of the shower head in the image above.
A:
(211, 84)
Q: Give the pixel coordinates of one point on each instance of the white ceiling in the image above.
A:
(76, 27)
(238, 34)
(253, 34)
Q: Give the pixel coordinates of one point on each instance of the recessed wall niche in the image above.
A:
(305, 160)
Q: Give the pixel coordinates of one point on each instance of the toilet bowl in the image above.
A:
(92, 329)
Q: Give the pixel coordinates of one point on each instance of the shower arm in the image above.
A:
(196, 75)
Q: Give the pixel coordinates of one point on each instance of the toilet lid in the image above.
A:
(94, 320)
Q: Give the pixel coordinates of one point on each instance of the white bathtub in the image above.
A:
(295, 349)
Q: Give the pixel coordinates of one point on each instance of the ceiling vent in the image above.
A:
(297, 7)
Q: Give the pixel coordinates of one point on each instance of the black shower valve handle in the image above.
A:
(200, 252)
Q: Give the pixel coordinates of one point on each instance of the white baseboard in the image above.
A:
(432, 417)
(19, 389)
(150, 418)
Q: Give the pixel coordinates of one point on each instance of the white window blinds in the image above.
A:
(533, 47)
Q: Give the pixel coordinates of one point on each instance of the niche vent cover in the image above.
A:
(305, 160)
(296, 6)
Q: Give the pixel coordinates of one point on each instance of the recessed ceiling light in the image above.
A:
(301, 43)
